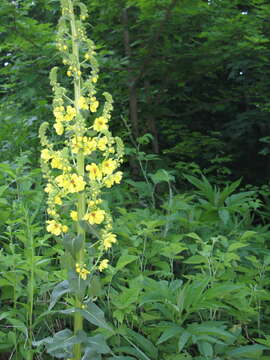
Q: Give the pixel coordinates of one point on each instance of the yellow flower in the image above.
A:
(108, 166)
(62, 181)
(94, 104)
(64, 228)
(94, 79)
(82, 103)
(102, 142)
(94, 172)
(70, 114)
(117, 177)
(45, 155)
(58, 128)
(58, 113)
(108, 182)
(76, 144)
(82, 271)
(100, 124)
(51, 212)
(95, 217)
(49, 188)
(57, 163)
(108, 240)
(89, 145)
(103, 265)
(74, 215)
(57, 200)
(55, 228)
(77, 183)
(71, 183)
(69, 73)
(91, 203)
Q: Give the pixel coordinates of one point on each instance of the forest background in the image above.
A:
(190, 81)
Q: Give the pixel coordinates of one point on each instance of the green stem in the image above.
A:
(31, 283)
(78, 320)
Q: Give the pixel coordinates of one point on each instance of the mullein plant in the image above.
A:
(78, 166)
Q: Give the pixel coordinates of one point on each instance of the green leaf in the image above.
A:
(3, 188)
(194, 236)
(145, 139)
(161, 176)
(133, 350)
(247, 235)
(203, 185)
(265, 341)
(142, 342)
(208, 328)
(235, 246)
(224, 215)
(205, 348)
(249, 351)
(183, 340)
(19, 325)
(95, 288)
(95, 316)
(126, 298)
(124, 260)
(95, 346)
(171, 250)
(64, 339)
(229, 189)
(90, 354)
(98, 343)
(5, 168)
(169, 333)
(77, 285)
(222, 290)
(5, 315)
(73, 244)
(59, 290)
(61, 344)
(195, 259)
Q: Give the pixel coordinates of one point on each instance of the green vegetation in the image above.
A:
(188, 277)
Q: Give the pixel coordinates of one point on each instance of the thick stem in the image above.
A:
(78, 320)
(31, 285)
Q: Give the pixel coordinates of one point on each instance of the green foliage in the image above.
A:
(189, 278)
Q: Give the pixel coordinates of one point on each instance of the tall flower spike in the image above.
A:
(82, 159)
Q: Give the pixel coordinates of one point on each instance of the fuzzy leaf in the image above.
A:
(59, 290)
(73, 244)
(95, 316)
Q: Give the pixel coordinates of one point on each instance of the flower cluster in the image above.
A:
(82, 271)
(86, 165)
(56, 228)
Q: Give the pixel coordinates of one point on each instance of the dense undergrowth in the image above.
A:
(189, 277)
